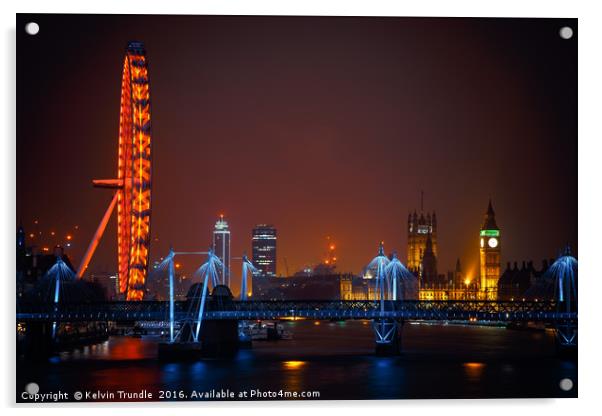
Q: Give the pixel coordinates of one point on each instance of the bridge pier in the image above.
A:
(245, 339)
(179, 351)
(387, 336)
(38, 342)
(566, 338)
(217, 338)
(42, 339)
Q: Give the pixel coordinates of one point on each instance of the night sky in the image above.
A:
(322, 126)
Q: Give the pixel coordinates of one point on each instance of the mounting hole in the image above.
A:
(566, 32)
(32, 388)
(566, 384)
(32, 28)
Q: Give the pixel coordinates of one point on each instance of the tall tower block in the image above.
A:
(263, 243)
(490, 255)
(221, 248)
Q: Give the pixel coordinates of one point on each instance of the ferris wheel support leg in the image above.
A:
(96, 238)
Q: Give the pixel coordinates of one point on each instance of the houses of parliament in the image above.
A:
(490, 283)
(422, 261)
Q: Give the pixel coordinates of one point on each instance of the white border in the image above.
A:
(590, 200)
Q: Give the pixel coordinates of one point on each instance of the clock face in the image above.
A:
(482, 242)
(492, 242)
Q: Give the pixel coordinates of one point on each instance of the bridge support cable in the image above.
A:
(55, 276)
(247, 266)
(171, 295)
(209, 271)
(168, 264)
(244, 327)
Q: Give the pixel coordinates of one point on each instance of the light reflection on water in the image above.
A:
(336, 359)
(293, 365)
(474, 370)
(294, 378)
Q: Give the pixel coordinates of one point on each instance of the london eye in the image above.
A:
(134, 179)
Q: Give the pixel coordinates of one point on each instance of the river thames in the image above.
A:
(324, 361)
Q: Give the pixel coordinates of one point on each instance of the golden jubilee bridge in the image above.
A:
(231, 309)
(224, 315)
(213, 320)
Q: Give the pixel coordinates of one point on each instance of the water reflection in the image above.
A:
(337, 360)
(197, 371)
(172, 368)
(131, 349)
(119, 348)
(293, 365)
(294, 377)
(474, 370)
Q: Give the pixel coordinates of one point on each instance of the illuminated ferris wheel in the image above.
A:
(133, 183)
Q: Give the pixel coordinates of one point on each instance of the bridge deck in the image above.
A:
(511, 311)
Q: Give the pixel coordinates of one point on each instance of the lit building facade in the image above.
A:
(428, 265)
(339, 286)
(263, 245)
(420, 228)
(456, 277)
(449, 291)
(221, 248)
(490, 255)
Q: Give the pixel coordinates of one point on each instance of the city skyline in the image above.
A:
(313, 166)
(221, 227)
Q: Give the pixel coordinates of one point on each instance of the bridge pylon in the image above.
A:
(390, 276)
(564, 276)
(197, 337)
(245, 338)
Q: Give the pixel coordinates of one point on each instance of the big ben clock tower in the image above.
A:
(490, 260)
